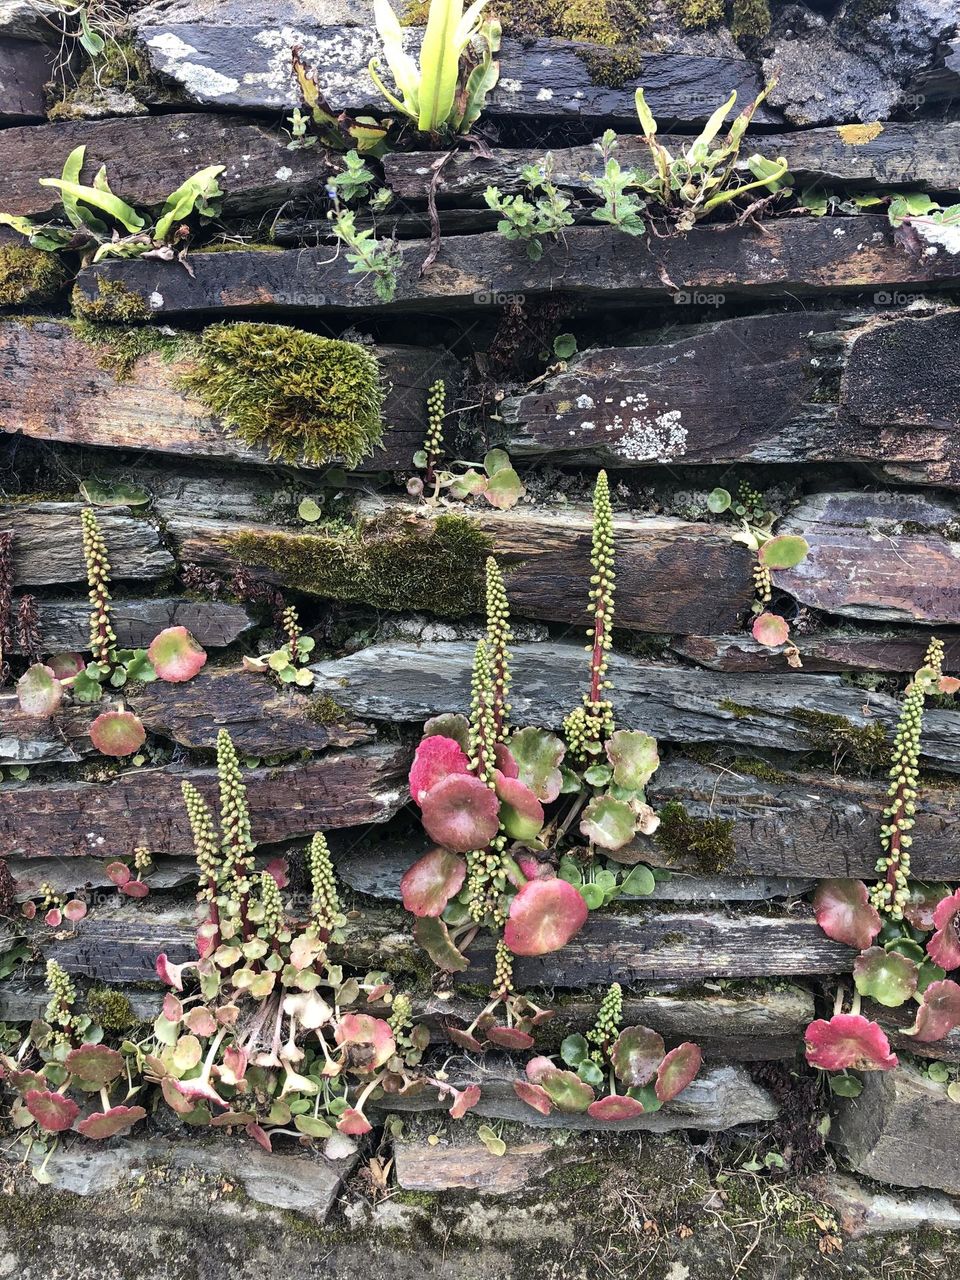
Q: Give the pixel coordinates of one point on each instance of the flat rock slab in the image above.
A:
(864, 1212)
(147, 157)
(890, 649)
(460, 1162)
(720, 1098)
(783, 258)
(903, 1129)
(65, 624)
(247, 64)
(48, 544)
(145, 807)
(56, 389)
(25, 67)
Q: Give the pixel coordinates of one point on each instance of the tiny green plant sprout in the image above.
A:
(611, 1074)
(921, 220)
(494, 479)
(263, 1030)
(783, 551)
(288, 662)
(500, 804)
(173, 656)
(543, 211)
(446, 90)
(95, 216)
(365, 254)
(907, 934)
(338, 131)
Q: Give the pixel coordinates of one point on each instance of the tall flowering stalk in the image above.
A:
(103, 640)
(236, 842)
(588, 726)
(892, 892)
(499, 637)
(206, 849)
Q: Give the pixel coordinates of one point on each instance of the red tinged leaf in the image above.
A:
(677, 1070)
(175, 655)
(544, 916)
(885, 976)
(436, 758)
(534, 1096)
(770, 630)
(461, 813)
(465, 1100)
(538, 755)
(635, 1056)
(939, 1011)
(75, 909)
(135, 889)
(922, 904)
(118, 873)
(949, 684)
(52, 1111)
(566, 1090)
(844, 912)
(353, 1122)
(944, 946)
(509, 1038)
(504, 761)
(614, 1108)
(66, 665)
(260, 1136)
(29, 910)
(434, 936)
(432, 881)
(53, 918)
(368, 1041)
(94, 1064)
(279, 868)
(117, 733)
(107, 1124)
(39, 692)
(521, 813)
(464, 1039)
(536, 1067)
(848, 1040)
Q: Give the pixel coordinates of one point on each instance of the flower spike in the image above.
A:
(499, 636)
(103, 640)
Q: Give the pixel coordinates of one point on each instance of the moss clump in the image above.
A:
(389, 564)
(115, 303)
(298, 395)
(864, 12)
(696, 14)
(326, 710)
(120, 67)
(739, 710)
(118, 350)
(750, 19)
(708, 842)
(28, 275)
(866, 746)
(760, 769)
(110, 1009)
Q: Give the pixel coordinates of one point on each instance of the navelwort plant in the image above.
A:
(288, 662)
(500, 804)
(94, 214)
(494, 479)
(908, 934)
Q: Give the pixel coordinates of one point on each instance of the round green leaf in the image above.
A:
(784, 552)
(718, 501)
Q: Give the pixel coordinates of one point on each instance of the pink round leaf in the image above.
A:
(432, 881)
(948, 684)
(368, 1041)
(29, 910)
(53, 918)
(939, 1011)
(634, 758)
(510, 1038)
(521, 813)
(534, 1095)
(107, 1124)
(354, 1122)
(885, 976)
(75, 909)
(94, 1064)
(608, 822)
(436, 758)
(39, 692)
(566, 1090)
(636, 1054)
(544, 916)
(461, 813)
(615, 1108)
(464, 1040)
(66, 665)
(118, 873)
(922, 904)
(465, 1100)
(175, 655)
(538, 755)
(449, 725)
(536, 1067)
(944, 946)
(52, 1111)
(844, 912)
(677, 1070)
(770, 630)
(117, 733)
(848, 1040)
(504, 761)
(135, 889)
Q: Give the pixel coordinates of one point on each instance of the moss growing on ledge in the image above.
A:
(114, 304)
(28, 275)
(708, 842)
(696, 14)
(750, 19)
(864, 745)
(435, 566)
(110, 1009)
(118, 350)
(326, 710)
(298, 395)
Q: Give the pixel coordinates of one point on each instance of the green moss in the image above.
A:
(326, 710)
(418, 1199)
(28, 275)
(761, 769)
(865, 745)
(119, 67)
(115, 303)
(695, 14)
(111, 1009)
(118, 350)
(750, 18)
(708, 842)
(613, 67)
(437, 566)
(300, 396)
(575, 1175)
(864, 11)
(739, 710)
(237, 246)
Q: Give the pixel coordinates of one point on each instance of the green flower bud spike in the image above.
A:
(103, 640)
(272, 905)
(206, 846)
(291, 625)
(892, 891)
(63, 996)
(607, 1026)
(236, 841)
(499, 637)
(588, 726)
(483, 722)
(325, 906)
(401, 1015)
(433, 444)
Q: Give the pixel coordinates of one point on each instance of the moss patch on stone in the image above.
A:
(118, 350)
(750, 19)
(326, 710)
(300, 396)
(436, 566)
(864, 745)
(29, 275)
(696, 14)
(708, 842)
(115, 303)
(110, 1009)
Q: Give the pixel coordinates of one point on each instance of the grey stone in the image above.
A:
(864, 1212)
